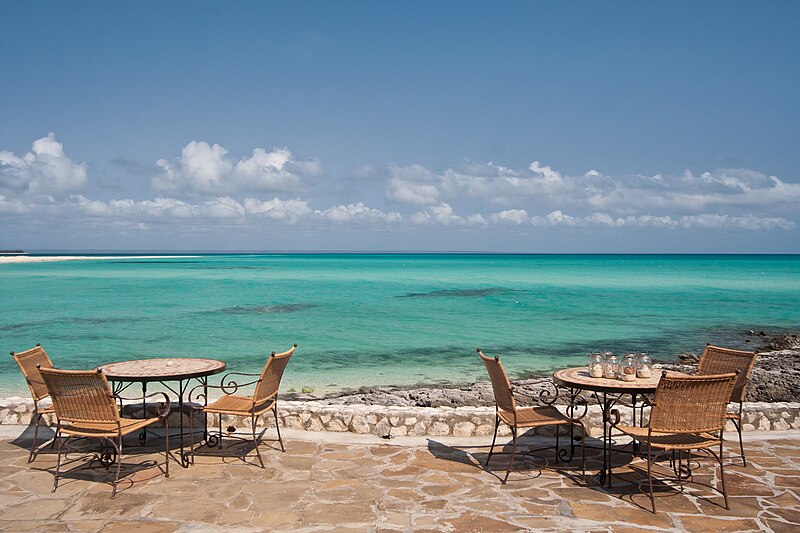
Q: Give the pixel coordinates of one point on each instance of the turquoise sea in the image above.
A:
(389, 319)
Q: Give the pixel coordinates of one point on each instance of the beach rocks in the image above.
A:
(787, 341)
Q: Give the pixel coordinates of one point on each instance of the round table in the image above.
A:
(162, 370)
(579, 378)
(607, 393)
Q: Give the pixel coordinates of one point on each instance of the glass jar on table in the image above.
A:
(644, 366)
(627, 369)
(596, 365)
(610, 365)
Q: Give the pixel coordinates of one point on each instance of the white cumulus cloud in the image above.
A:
(287, 210)
(203, 168)
(358, 212)
(45, 170)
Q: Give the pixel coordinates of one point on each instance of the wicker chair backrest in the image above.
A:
(691, 404)
(271, 376)
(716, 360)
(28, 362)
(81, 395)
(503, 394)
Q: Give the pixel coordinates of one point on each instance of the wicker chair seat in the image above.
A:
(238, 406)
(106, 429)
(672, 441)
(529, 417)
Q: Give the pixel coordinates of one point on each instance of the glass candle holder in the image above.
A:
(644, 366)
(627, 370)
(610, 366)
(596, 365)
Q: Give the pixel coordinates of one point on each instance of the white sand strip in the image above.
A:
(49, 258)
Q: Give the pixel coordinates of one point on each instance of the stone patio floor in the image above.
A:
(346, 482)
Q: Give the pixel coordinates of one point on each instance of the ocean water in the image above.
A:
(389, 319)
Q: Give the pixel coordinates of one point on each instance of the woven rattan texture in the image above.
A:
(80, 396)
(691, 404)
(28, 361)
(500, 384)
(271, 376)
(716, 360)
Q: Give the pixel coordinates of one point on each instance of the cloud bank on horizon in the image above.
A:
(205, 189)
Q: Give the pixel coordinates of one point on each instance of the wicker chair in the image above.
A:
(506, 410)
(687, 413)
(86, 407)
(264, 398)
(28, 362)
(716, 360)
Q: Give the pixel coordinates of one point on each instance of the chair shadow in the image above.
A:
(234, 447)
(534, 455)
(85, 465)
(631, 485)
(44, 441)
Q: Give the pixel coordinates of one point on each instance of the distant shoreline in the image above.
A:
(53, 258)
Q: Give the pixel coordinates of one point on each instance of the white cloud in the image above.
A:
(358, 212)
(12, 207)
(540, 187)
(438, 214)
(205, 187)
(513, 216)
(287, 210)
(205, 169)
(706, 221)
(45, 170)
(168, 208)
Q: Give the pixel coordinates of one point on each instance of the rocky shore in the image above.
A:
(775, 378)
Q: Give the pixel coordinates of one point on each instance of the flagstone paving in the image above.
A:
(343, 482)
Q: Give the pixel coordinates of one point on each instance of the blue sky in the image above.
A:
(502, 126)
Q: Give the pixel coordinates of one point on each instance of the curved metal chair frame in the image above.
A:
(717, 360)
(85, 407)
(687, 413)
(29, 362)
(507, 411)
(264, 398)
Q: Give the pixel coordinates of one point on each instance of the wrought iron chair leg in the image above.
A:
(513, 451)
(256, 439)
(58, 459)
(583, 454)
(738, 424)
(650, 460)
(166, 445)
(558, 457)
(722, 475)
(38, 418)
(118, 448)
(494, 439)
(278, 427)
(191, 435)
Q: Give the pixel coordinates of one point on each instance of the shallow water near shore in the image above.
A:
(389, 319)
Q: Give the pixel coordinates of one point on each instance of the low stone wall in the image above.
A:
(416, 421)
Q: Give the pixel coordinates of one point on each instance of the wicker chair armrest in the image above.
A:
(164, 407)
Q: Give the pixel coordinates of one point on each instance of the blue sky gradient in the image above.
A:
(401, 126)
